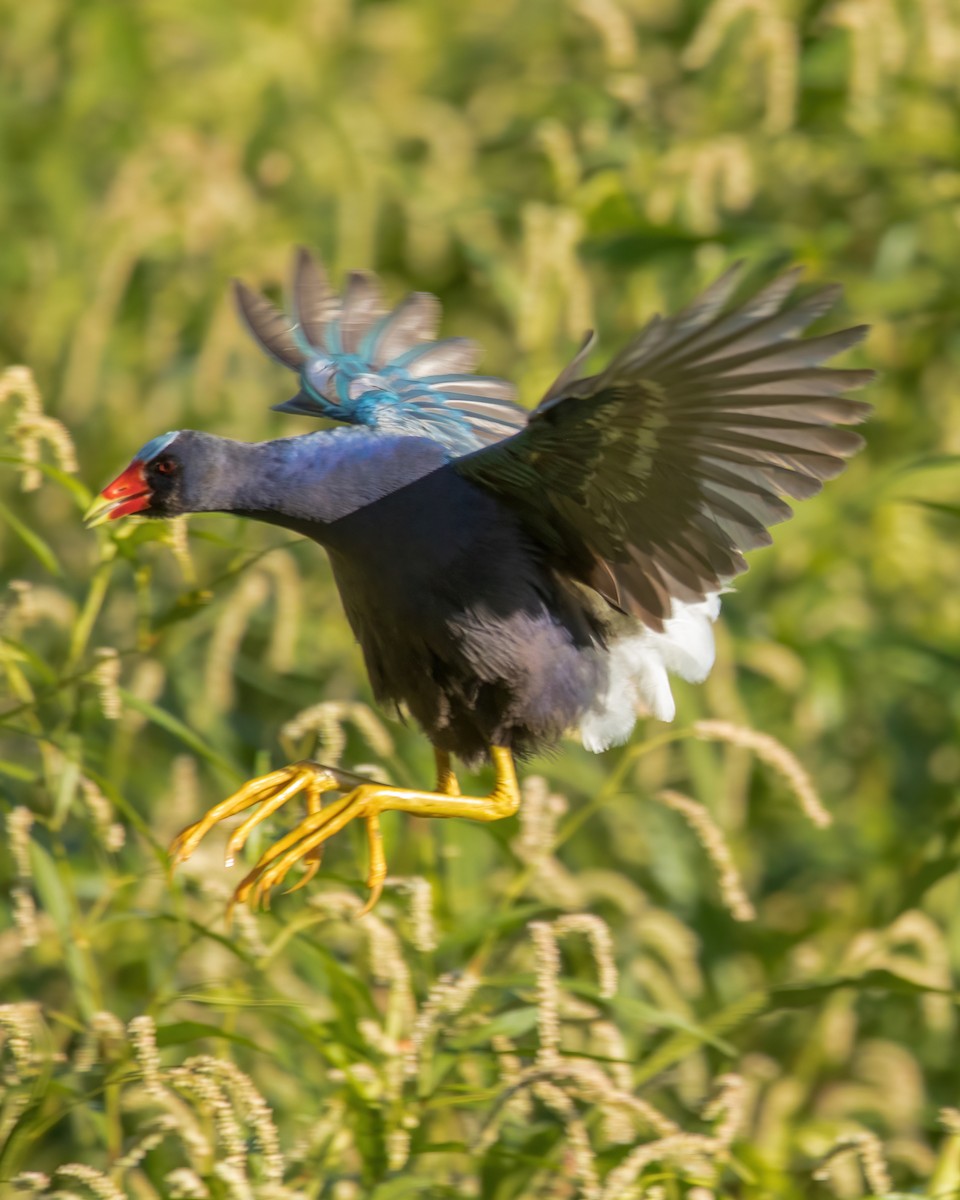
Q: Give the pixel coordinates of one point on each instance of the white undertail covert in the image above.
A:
(638, 666)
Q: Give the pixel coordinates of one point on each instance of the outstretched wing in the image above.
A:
(650, 480)
(359, 363)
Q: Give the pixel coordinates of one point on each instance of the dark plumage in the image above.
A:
(504, 589)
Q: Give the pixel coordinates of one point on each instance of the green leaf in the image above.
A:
(931, 462)
(50, 881)
(877, 979)
(18, 771)
(185, 606)
(66, 788)
(512, 1024)
(637, 1012)
(762, 1003)
(945, 510)
(203, 932)
(180, 1033)
(31, 540)
(402, 1186)
(79, 490)
(680, 1045)
(173, 725)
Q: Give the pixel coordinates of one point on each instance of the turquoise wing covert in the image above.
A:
(650, 479)
(361, 364)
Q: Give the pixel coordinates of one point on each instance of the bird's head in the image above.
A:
(155, 484)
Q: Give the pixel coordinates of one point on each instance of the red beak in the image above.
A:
(129, 493)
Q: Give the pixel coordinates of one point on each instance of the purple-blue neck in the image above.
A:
(302, 483)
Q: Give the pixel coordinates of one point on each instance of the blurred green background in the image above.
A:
(543, 168)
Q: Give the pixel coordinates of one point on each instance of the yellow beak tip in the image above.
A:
(99, 512)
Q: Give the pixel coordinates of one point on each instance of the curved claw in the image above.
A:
(242, 891)
(301, 844)
(187, 840)
(179, 850)
(313, 866)
(315, 782)
(273, 876)
(260, 896)
(376, 891)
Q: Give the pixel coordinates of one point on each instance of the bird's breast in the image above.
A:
(460, 621)
(420, 532)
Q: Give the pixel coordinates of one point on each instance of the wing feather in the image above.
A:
(413, 321)
(649, 480)
(451, 356)
(362, 308)
(269, 327)
(313, 302)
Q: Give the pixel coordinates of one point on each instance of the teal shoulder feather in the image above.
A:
(362, 364)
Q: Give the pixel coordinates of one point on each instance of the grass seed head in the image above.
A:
(25, 916)
(868, 1149)
(29, 1183)
(398, 1148)
(32, 427)
(601, 943)
(20, 1026)
(580, 1154)
(449, 996)
(774, 755)
(101, 1185)
(327, 720)
(422, 926)
(112, 834)
(228, 633)
(548, 1001)
(19, 823)
(185, 1184)
(142, 1031)
(718, 851)
(102, 1041)
(107, 676)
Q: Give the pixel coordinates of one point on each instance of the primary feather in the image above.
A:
(361, 364)
(649, 480)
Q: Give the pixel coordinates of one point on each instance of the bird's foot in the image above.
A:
(361, 799)
(367, 801)
(271, 792)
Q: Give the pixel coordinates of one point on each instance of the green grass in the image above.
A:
(558, 1006)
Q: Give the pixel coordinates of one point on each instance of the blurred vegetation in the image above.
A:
(542, 167)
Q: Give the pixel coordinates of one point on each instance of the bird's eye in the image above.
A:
(165, 466)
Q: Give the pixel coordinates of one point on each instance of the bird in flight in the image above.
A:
(510, 575)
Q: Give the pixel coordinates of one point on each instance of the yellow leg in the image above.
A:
(447, 783)
(362, 799)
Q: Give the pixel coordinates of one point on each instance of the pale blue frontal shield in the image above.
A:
(154, 447)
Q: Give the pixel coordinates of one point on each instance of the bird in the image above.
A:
(510, 574)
